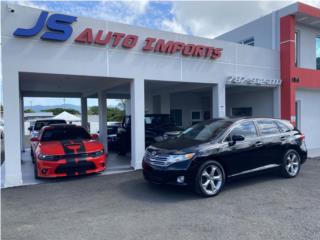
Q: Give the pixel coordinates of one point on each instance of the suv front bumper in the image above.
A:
(170, 175)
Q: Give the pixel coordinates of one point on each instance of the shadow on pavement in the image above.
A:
(142, 190)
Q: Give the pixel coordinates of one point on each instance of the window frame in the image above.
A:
(196, 120)
(248, 41)
(297, 48)
(317, 39)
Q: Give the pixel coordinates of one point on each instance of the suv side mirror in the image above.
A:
(237, 138)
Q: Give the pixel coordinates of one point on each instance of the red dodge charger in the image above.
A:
(67, 150)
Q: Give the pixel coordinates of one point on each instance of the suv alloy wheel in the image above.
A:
(210, 179)
(291, 164)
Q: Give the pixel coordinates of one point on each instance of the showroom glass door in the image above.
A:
(176, 115)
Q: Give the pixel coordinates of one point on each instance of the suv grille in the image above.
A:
(157, 159)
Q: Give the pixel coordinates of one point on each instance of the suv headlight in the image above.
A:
(181, 157)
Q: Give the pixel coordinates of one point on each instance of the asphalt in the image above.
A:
(124, 206)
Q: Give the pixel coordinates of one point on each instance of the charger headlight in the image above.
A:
(47, 157)
(97, 154)
(180, 157)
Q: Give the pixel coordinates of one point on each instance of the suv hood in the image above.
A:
(177, 144)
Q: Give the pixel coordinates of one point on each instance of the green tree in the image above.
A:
(57, 111)
(122, 104)
(115, 114)
(94, 110)
(28, 110)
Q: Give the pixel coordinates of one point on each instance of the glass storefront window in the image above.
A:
(296, 48)
(318, 52)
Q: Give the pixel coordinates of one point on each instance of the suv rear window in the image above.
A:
(59, 134)
(267, 127)
(40, 124)
(285, 126)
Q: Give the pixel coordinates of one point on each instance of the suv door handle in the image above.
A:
(258, 144)
(283, 138)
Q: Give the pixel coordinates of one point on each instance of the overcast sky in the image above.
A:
(200, 18)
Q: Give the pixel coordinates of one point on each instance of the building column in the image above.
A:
(287, 68)
(165, 103)
(277, 102)
(84, 113)
(12, 128)
(219, 101)
(103, 134)
(22, 123)
(137, 122)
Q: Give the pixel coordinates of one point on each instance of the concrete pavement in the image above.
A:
(124, 206)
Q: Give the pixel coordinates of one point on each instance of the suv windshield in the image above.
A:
(59, 134)
(204, 131)
(40, 124)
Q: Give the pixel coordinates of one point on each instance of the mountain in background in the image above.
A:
(39, 108)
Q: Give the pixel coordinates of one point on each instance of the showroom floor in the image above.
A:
(115, 164)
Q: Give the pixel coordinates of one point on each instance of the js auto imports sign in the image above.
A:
(59, 28)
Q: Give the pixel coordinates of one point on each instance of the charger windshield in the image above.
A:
(207, 130)
(59, 134)
(43, 123)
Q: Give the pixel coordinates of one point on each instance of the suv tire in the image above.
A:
(291, 164)
(210, 179)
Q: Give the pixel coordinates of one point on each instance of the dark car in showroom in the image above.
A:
(158, 127)
(112, 130)
(205, 155)
(63, 150)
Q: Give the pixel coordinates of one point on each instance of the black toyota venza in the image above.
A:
(208, 153)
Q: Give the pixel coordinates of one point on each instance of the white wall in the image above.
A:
(92, 60)
(261, 102)
(310, 117)
(189, 102)
(307, 46)
(265, 30)
(260, 29)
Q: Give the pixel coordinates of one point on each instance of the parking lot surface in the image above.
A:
(124, 206)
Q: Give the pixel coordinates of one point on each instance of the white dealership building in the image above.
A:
(192, 78)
